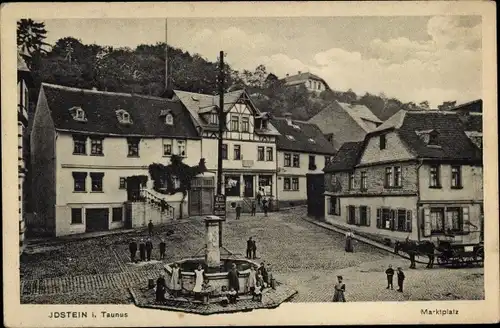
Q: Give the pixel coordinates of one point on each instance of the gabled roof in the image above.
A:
(301, 137)
(360, 113)
(346, 158)
(100, 108)
(301, 78)
(198, 103)
(21, 63)
(475, 106)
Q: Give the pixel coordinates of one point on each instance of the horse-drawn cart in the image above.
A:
(459, 255)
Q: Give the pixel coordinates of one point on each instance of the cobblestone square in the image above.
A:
(304, 256)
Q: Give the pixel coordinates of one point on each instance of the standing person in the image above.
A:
(338, 295)
(254, 249)
(263, 272)
(264, 206)
(163, 246)
(390, 274)
(401, 279)
(160, 288)
(150, 228)
(175, 280)
(259, 285)
(270, 276)
(233, 277)
(132, 247)
(254, 208)
(238, 211)
(252, 280)
(199, 274)
(249, 248)
(142, 250)
(149, 248)
(349, 241)
(259, 195)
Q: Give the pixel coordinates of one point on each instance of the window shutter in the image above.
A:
(465, 219)
(368, 215)
(357, 220)
(427, 221)
(347, 214)
(379, 219)
(393, 219)
(338, 206)
(329, 209)
(408, 221)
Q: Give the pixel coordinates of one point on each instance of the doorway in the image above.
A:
(248, 189)
(96, 219)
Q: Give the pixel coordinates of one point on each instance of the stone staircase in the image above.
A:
(150, 206)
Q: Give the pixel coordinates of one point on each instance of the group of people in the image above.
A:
(262, 201)
(145, 249)
(390, 274)
(251, 249)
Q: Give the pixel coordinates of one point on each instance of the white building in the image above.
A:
(311, 81)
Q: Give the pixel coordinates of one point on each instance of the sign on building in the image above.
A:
(220, 206)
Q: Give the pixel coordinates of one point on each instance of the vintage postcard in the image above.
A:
(239, 163)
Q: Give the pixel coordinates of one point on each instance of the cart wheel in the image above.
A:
(441, 260)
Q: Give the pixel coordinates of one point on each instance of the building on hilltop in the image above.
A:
(341, 122)
(418, 175)
(311, 81)
(302, 150)
(91, 151)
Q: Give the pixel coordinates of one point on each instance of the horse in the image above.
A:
(413, 248)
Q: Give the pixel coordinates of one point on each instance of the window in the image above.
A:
(79, 145)
(76, 216)
(397, 176)
(288, 160)
(80, 114)
(454, 219)
(245, 124)
(334, 206)
(312, 162)
(232, 185)
(224, 151)
(401, 220)
(287, 184)
(96, 146)
(237, 152)
(433, 136)
(133, 147)
(363, 181)
(260, 153)
(388, 177)
(296, 160)
(214, 119)
(79, 179)
(169, 119)
(235, 123)
(269, 154)
(351, 181)
(117, 214)
(264, 124)
(437, 220)
(364, 216)
(385, 218)
(382, 141)
(126, 117)
(434, 177)
(456, 177)
(289, 137)
(181, 148)
(311, 140)
(96, 181)
(123, 183)
(167, 147)
(327, 160)
(351, 214)
(295, 184)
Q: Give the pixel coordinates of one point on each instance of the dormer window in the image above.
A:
(430, 137)
(311, 140)
(169, 119)
(123, 116)
(264, 124)
(78, 114)
(289, 137)
(433, 139)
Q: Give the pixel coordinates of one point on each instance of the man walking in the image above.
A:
(150, 228)
(162, 249)
(132, 247)
(254, 208)
(401, 278)
(264, 206)
(238, 211)
(254, 249)
(249, 248)
(390, 274)
(142, 250)
(149, 248)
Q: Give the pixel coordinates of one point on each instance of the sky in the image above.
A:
(412, 58)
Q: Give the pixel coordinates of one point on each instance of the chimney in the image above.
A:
(300, 72)
(288, 118)
(287, 75)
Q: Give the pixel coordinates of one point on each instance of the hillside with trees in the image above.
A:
(141, 70)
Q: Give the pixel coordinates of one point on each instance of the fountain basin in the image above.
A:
(216, 279)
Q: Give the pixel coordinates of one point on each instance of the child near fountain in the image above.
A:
(232, 295)
(224, 301)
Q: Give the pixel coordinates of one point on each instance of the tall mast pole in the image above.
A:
(222, 122)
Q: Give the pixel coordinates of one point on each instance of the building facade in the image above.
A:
(249, 144)
(24, 82)
(86, 144)
(418, 175)
(302, 150)
(311, 82)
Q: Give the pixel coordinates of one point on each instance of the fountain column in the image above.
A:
(212, 251)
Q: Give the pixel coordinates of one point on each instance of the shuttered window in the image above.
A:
(427, 222)
(379, 218)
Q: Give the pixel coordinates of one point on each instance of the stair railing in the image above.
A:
(157, 201)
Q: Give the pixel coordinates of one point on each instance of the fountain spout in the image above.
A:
(212, 250)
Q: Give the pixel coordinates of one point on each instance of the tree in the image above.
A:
(424, 104)
(446, 105)
(31, 36)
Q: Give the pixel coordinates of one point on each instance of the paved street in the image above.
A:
(303, 255)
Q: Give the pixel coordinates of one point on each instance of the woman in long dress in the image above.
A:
(175, 280)
(160, 289)
(198, 283)
(252, 280)
(338, 295)
(348, 241)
